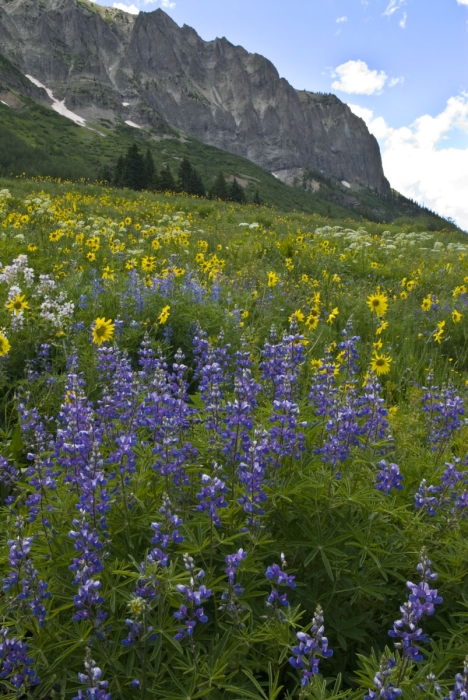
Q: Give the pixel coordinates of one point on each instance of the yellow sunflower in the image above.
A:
(378, 303)
(297, 316)
(273, 279)
(380, 364)
(17, 304)
(4, 345)
(103, 330)
(164, 315)
(107, 273)
(456, 316)
(148, 263)
(382, 327)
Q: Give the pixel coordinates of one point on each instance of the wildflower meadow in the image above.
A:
(233, 451)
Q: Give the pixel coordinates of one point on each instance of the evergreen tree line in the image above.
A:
(137, 171)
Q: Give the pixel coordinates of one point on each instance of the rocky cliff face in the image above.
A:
(149, 71)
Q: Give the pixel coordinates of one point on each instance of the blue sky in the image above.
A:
(401, 64)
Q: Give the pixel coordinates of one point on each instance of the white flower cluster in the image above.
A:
(58, 311)
(11, 274)
(4, 195)
(165, 233)
(254, 225)
(357, 239)
(46, 285)
(41, 207)
(360, 239)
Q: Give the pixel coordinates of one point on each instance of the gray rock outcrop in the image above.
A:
(147, 70)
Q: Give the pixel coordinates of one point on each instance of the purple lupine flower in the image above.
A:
(233, 561)
(22, 579)
(450, 497)
(193, 613)
(444, 411)
(165, 533)
(421, 601)
(388, 477)
(341, 407)
(371, 408)
(278, 575)
(460, 690)
(323, 391)
(210, 372)
(165, 412)
(15, 664)
(424, 497)
(168, 531)
(239, 412)
(281, 364)
(386, 690)
(146, 359)
(8, 472)
(193, 287)
(135, 295)
(76, 429)
(216, 290)
(311, 648)
(251, 474)
(349, 352)
(211, 496)
(98, 287)
(97, 689)
(93, 504)
(41, 473)
(234, 589)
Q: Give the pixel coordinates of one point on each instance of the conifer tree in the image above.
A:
(236, 192)
(150, 170)
(256, 198)
(117, 180)
(166, 182)
(220, 188)
(184, 175)
(196, 184)
(134, 175)
(189, 179)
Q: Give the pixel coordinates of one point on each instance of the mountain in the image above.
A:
(104, 64)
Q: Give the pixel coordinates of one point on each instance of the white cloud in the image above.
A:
(402, 21)
(355, 77)
(393, 6)
(167, 4)
(462, 2)
(417, 164)
(341, 19)
(396, 81)
(132, 9)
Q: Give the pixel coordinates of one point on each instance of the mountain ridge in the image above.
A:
(97, 59)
